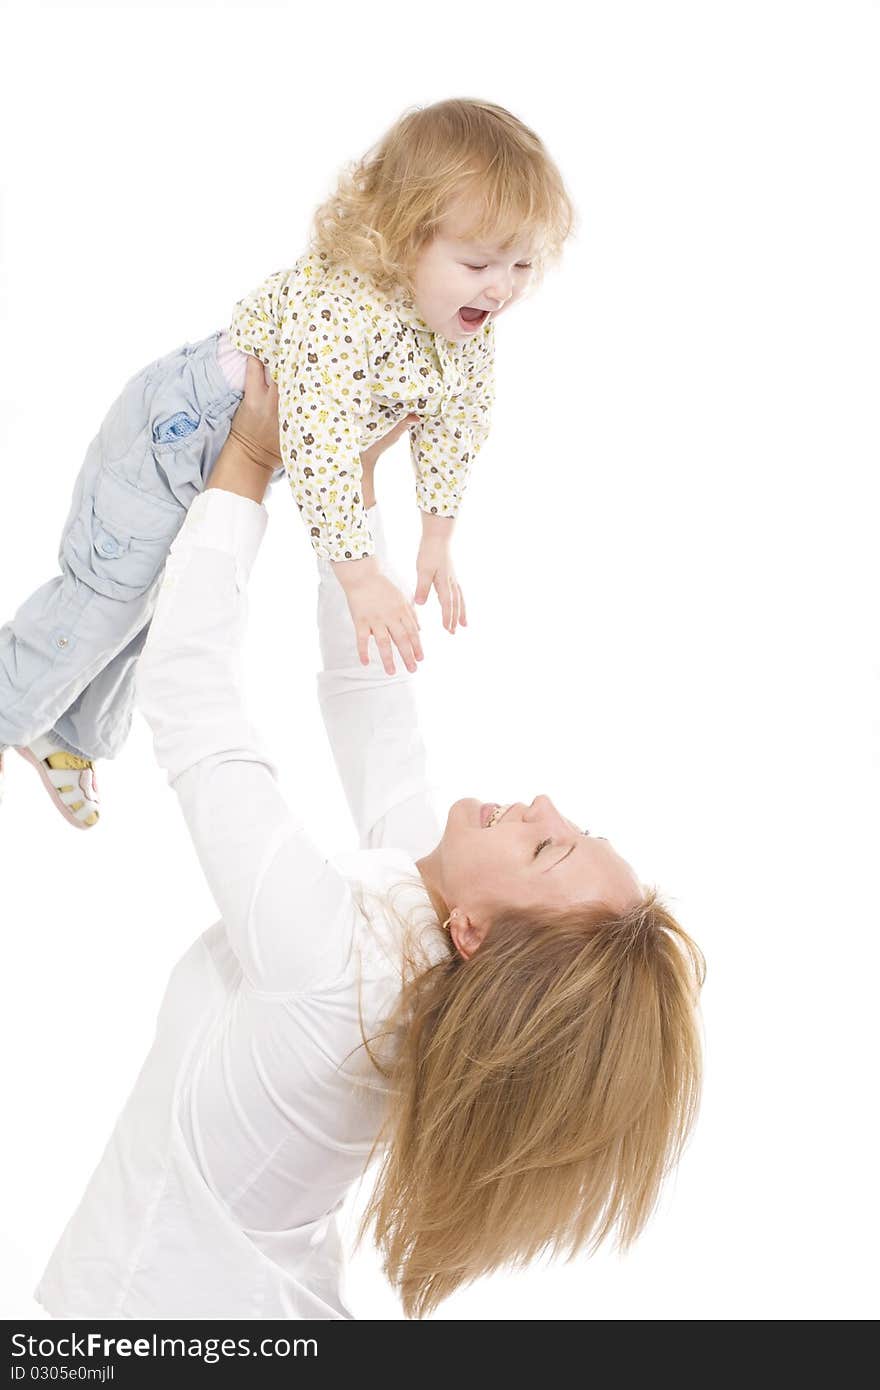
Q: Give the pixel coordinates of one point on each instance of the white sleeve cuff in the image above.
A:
(224, 521)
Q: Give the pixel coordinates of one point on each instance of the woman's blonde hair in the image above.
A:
(539, 1092)
(389, 203)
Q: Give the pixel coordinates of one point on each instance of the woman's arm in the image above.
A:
(371, 717)
(251, 453)
(288, 915)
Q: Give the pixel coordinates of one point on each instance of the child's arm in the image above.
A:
(443, 451)
(320, 357)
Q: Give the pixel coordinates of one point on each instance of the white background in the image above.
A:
(668, 550)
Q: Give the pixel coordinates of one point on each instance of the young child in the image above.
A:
(386, 321)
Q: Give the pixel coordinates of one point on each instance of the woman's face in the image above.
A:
(527, 856)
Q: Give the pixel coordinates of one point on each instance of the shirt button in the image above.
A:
(62, 641)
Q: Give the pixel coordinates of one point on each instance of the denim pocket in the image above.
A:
(119, 541)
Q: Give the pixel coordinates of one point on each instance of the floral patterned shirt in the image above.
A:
(349, 363)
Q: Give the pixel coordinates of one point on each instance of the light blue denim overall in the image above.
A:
(67, 658)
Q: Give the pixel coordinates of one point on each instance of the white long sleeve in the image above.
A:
(288, 913)
(372, 724)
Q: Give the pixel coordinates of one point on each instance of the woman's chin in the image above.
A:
(465, 812)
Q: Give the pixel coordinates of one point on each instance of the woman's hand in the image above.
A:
(251, 454)
(257, 415)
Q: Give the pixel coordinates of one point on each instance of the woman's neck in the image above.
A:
(429, 872)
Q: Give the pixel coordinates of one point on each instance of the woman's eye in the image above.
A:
(542, 845)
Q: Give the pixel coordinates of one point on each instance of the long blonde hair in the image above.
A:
(390, 202)
(539, 1093)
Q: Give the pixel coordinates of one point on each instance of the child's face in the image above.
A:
(453, 272)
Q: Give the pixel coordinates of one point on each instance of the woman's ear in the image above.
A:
(466, 933)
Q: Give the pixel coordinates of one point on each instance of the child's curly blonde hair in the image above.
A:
(390, 203)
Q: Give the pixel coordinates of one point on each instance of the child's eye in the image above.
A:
(542, 845)
(483, 267)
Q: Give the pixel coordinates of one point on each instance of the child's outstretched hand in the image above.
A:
(435, 571)
(379, 610)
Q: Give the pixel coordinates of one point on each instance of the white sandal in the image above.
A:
(69, 780)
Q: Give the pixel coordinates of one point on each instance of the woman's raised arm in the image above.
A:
(371, 717)
(288, 915)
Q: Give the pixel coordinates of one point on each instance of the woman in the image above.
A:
(528, 1070)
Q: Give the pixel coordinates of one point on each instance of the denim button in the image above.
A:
(108, 547)
(62, 641)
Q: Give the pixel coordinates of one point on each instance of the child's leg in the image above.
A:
(67, 657)
(101, 714)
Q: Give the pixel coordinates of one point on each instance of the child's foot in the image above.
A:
(69, 780)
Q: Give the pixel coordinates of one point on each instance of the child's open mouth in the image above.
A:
(471, 319)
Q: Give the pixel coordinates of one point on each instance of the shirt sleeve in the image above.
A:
(288, 914)
(256, 322)
(324, 377)
(444, 448)
(371, 720)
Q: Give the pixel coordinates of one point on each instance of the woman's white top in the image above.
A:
(217, 1192)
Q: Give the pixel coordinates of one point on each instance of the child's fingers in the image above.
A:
(415, 639)
(453, 592)
(462, 610)
(383, 642)
(403, 641)
(447, 602)
(423, 586)
(363, 642)
(412, 628)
